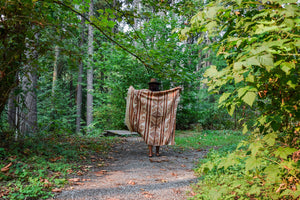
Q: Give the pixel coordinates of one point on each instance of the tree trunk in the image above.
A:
(55, 70)
(89, 102)
(28, 110)
(28, 121)
(11, 112)
(79, 81)
(207, 62)
(136, 6)
(79, 98)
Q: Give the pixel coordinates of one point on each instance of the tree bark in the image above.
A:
(28, 121)
(89, 103)
(136, 5)
(56, 50)
(28, 109)
(79, 84)
(11, 112)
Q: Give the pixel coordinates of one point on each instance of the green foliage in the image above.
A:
(24, 39)
(221, 139)
(155, 41)
(57, 112)
(43, 163)
(260, 42)
(258, 170)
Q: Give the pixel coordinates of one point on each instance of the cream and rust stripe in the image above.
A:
(153, 114)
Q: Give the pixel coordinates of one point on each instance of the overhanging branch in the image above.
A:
(107, 36)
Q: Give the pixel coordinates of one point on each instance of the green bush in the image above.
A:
(260, 42)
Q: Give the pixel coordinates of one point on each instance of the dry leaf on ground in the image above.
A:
(131, 182)
(55, 159)
(56, 190)
(6, 168)
(177, 191)
(74, 179)
(4, 193)
(78, 183)
(46, 182)
(100, 173)
(79, 173)
(162, 180)
(192, 193)
(147, 195)
(174, 174)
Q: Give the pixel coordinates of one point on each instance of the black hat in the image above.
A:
(153, 81)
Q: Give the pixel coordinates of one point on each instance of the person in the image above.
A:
(152, 114)
(153, 86)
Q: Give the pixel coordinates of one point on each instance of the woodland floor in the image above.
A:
(130, 174)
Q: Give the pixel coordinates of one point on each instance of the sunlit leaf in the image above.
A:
(267, 61)
(284, 152)
(224, 97)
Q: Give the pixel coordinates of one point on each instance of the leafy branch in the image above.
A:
(134, 29)
(106, 35)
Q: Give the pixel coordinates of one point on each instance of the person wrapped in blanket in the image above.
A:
(153, 86)
(152, 114)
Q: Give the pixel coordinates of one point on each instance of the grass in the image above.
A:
(208, 139)
(32, 168)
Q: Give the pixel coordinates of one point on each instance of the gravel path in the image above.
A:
(131, 175)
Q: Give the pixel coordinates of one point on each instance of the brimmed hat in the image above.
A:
(153, 81)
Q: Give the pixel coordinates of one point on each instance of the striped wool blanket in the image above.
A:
(153, 114)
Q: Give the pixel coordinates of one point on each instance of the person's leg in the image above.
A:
(157, 150)
(150, 150)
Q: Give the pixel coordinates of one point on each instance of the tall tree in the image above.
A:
(79, 83)
(56, 51)
(89, 101)
(28, 123)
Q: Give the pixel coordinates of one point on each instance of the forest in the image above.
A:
(66, 67)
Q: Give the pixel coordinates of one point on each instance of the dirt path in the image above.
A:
(131, 175)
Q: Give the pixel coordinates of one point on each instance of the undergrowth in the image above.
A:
(36, 167)
(208, 138)
(257, 168)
